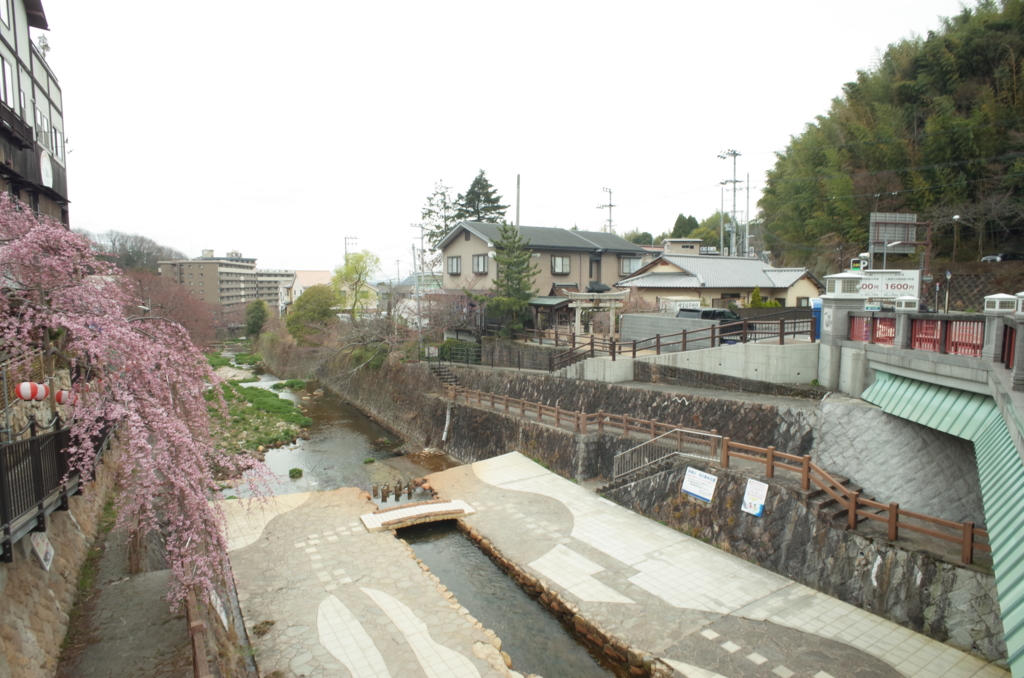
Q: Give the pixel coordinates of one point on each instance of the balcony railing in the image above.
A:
(953, 336)
(16, 127)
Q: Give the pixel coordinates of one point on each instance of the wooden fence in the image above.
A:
(197, 637)
(857, 507)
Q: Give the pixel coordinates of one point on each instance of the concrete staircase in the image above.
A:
(444, 373)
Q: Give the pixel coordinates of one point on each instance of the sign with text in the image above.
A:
(431, 351)
(890, 284)
(754, 497)
(43, 548)
(699, 484)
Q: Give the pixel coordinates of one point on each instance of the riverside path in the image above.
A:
(324, 596)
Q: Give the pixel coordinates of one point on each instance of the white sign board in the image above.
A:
(699, 484)
(675, 304)
(43, 548)
(890, 284)
(431, 351)
(753, 498)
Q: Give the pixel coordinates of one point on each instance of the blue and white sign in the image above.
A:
(754, 497)
(699, 484)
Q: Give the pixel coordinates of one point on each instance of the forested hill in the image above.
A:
(935, 127)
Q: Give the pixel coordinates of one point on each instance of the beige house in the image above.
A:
(562, 257)
(717, 281)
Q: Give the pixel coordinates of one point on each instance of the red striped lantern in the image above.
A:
(66, 397)
(44, 392)
(28, 390)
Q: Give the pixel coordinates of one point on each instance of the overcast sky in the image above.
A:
(277, 129)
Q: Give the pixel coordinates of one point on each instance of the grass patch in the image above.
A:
(217, 360)
(262, 628)
(369, 460)
(247, 358)
(295, 473)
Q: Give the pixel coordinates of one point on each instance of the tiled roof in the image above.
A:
(716, 272)
(545, 238)
(310, 278)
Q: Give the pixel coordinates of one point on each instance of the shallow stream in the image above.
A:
(341, 440)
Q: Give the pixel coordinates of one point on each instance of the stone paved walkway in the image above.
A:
(702, 611)
(128, 628)
(332, 599)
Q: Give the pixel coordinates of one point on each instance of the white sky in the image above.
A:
(242, 125)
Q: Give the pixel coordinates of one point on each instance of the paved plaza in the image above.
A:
(328, 597)
(699, 609)
(323, 597)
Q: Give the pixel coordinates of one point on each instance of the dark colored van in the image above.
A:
(721, 314)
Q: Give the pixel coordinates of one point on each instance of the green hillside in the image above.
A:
(936, 127)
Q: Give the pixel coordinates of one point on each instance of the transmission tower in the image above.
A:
(608, 227)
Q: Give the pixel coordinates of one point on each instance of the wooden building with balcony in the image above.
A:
(32, 153)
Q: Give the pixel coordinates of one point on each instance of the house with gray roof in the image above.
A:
(563, 256)
(719, 281)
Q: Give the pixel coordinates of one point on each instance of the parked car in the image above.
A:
(721, 314)
(1005, 256)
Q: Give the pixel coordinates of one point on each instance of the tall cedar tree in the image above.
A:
(513, 280)
(438, 214)
(480, 203)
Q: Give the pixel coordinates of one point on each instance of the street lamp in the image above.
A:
(885, 250)
(956, 233)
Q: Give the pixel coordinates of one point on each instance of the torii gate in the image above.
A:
(593, 300)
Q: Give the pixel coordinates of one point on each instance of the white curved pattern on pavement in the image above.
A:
(344, 637)
(689, 574)
(573, 572)
(247, 518)
(692, 671)
(436, 660)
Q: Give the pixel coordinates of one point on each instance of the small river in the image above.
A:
(341, 440)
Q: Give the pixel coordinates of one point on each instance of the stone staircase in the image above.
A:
(444, 373)
(817, 499)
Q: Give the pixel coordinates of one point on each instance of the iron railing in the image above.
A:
(36, 479)
(678, 442)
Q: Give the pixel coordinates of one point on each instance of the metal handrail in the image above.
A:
(654, 451)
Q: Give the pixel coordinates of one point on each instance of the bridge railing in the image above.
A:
(694, 442)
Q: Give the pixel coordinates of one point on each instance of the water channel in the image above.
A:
(341, 440)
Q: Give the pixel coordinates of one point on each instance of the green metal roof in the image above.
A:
(1000, 470)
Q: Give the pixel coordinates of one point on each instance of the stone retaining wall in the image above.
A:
(952, 603)
(34, 603)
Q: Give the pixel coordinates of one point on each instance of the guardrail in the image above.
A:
(35, 480)
(678, 442)
(857, 507)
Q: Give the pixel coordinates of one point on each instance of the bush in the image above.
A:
(371, 355)
(296, 384)
(459, 351)
(295, 473)
(248, 358)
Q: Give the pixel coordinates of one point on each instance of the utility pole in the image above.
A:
(609, 228)
(517, 201)
(416, 283)
(347, 238)
(732, 222)
(732, 153)
(721, 226)
(746, 219)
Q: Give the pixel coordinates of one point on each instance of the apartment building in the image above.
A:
(32, 154)
(227, 281)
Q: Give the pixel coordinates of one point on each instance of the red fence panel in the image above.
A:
(860, 328)
(965, 337)
(883, 331)
(924, 334)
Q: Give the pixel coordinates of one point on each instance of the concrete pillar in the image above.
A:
(835, 329)
(579, 313)
(996, 307)
(903, 326)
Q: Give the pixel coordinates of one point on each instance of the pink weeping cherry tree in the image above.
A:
(130, 368)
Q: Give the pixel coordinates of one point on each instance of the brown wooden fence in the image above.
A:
(197, 637)
(966, 534)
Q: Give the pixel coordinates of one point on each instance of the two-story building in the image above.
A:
(32, 156)
(718, 281)
(562, 256)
